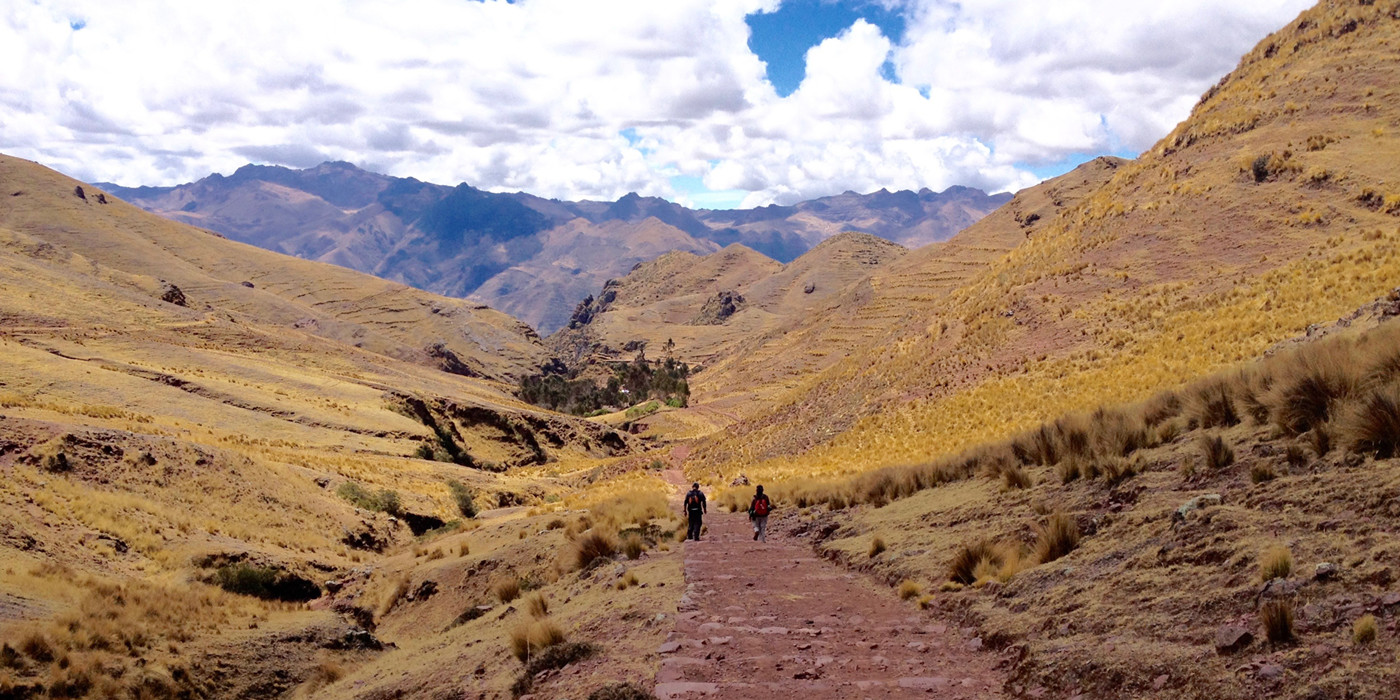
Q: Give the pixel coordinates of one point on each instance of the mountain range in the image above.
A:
(531, 257)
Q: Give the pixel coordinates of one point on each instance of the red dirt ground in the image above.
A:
(773, 620)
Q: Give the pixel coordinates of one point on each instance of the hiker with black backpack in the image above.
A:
(695, 509)
(759, 509)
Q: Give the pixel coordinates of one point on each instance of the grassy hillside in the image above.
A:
(183, 471)
(1187, 260)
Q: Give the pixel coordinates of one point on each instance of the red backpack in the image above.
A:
(692, 501)
(760, 506)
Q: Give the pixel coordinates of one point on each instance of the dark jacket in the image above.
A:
(697, 507)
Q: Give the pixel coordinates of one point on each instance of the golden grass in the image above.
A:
(908, 590)
(1277, 618)
(632, 545)
(531, 638)
(537, 605)
(506, 588)
(1275, 562)
(593, 546)
(877, 546)
(1364, 630)
(1058, 536)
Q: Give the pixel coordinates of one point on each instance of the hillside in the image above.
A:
(528, 256)
(184, 418)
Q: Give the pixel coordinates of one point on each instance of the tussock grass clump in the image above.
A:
(1372, 426)
(877, 546)
(506, 588)
(1277, 617)
(1260, 473)
(1319, 439)
(627, 581)
(1211, 406)
(970, 558)
(909, 590)
(1114, 470)
(464, 549)
(555, 524)
(1015, 478)
(1069, 470)
(537, 606)
(532, 638)
(1296, 456)
(633, 546)
(1215, 453)
(1364, 630)
(265, 582)
(1275, 562)
(593, 547)
(1056, 538)
(1311, 384)
(925, 601)
(393, 596)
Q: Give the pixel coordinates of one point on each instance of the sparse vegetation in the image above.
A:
(908, 590)
(531, 638)
(1277, 617)
(621, 691)
(1056, 538)
(536, 605)
(1215, 454)
(593, 547)
(645, 382)
(1364, 630)
(632, 545)
(462, 496)
(971, 559)
(1276, 562)
(506, 588)
(264, 582)
(877, 546)
(384, 500)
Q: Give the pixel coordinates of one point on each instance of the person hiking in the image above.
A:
(695, 509)
(759, 509)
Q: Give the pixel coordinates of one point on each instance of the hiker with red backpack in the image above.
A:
(759, 509)
(695, 509)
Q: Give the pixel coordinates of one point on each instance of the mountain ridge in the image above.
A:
(457, 240)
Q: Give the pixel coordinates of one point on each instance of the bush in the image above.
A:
(908, 590)
(1364, 630)
(384, 500)
(969, 558)
(1016, 478)
(877, 546)
(1319, 439)
(1276, 562)
(537, 605)
(1215, 453)
(1277, 616)
(532, 638)
(1069, 470)
(593, 547)
(1373, 425)
(465, 504)
(1212, 406)
(1260, 473)
(633, 546)
(506, 589)
(1056, 538)
(267, 583)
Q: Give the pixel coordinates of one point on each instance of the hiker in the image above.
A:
(759, 509)
(695, 509)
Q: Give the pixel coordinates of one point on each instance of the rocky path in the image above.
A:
(773, 620)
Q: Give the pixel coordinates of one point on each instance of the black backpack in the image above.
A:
(692, 501)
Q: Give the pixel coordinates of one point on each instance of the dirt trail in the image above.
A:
(762, 618)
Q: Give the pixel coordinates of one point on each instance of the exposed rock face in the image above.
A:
(719, 308)
(1231, 639)
(172, 294)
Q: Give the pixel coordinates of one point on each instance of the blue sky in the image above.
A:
(714, 103)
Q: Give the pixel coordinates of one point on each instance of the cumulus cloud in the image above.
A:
(537, 95)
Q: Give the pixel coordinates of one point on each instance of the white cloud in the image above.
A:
(534, 95)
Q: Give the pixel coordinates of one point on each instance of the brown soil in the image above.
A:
(766, 617)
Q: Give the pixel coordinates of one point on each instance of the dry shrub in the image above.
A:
(325, 673)
(595, 547)
(1276, 562)
(1372, 426)
(909, 590)
(1297, 456)
(1056, 538)
(1069, 470)
(925, 601)
(1016, 478)
(1215, 453)
(1319, 439)
(436, 554)
(531, 638)
(555, 524)
(1277, 616)
(1364, 630)
(1045, 448)
(506, 588)
(877, 546)
(633, 546)
(395, 594)
(1260, 473)
(629, 509)
(1160, 408)
(1115, 470)
(463, 549)
(621, 691)
(1211, 406)
(628, 580)
(1167, 431)
(970, 558)
(1116, 433)
(1312, 382)
(536, 605)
